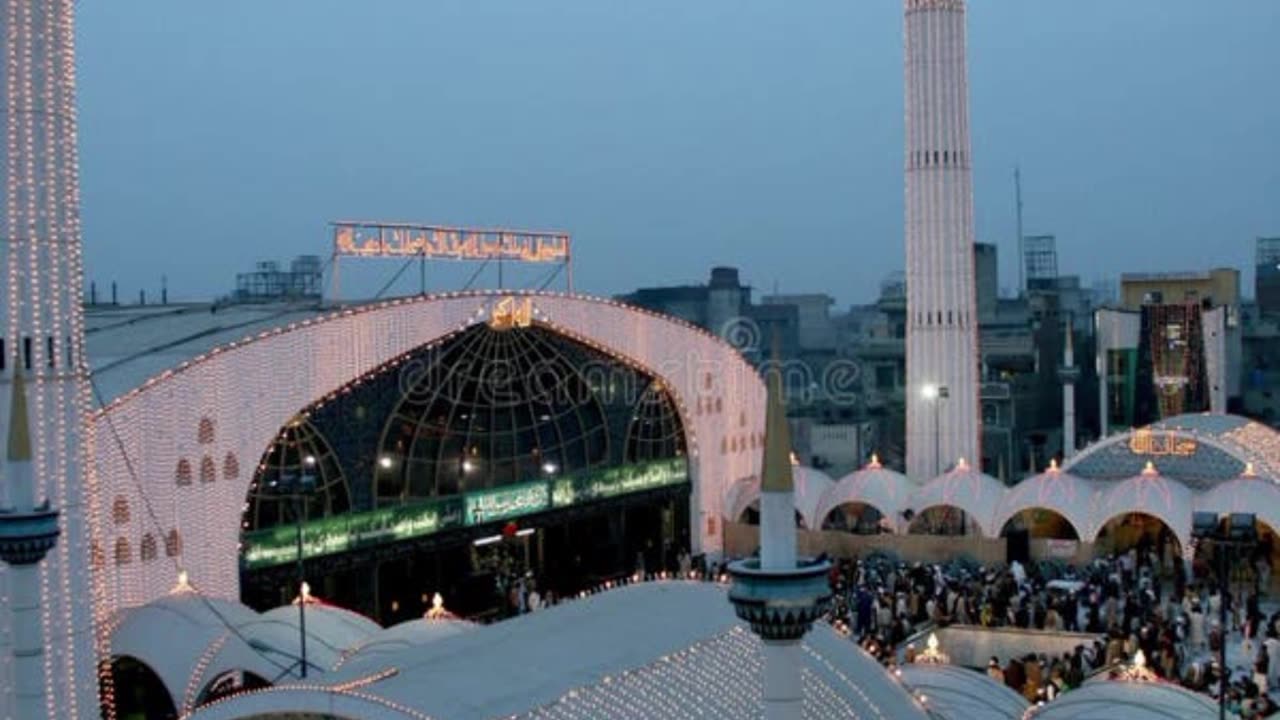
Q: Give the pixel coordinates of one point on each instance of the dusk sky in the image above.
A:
(666, 135)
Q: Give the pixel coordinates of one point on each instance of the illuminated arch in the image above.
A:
(1147, 493)
(250, 389)
(874, 486)
(1062, 493)
(810, 487)
(966, 489)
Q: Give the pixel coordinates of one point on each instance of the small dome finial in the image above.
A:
(1248, 471)
(875, 462)
(1149, 469)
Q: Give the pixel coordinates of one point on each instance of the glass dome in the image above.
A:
(496, 405)
(300, 461)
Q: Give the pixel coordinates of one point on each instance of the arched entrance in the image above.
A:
(1041, 523)
(946, 520)
(857, 518)
(1151, 541)
(498, 460)
(751, 516)
(139, 692)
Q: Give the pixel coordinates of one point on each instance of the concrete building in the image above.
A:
(1266, 275)
(942, 312)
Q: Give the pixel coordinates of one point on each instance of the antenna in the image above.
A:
(1022, 258)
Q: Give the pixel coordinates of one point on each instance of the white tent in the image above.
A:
(874, 485)
(965, 488)
(1064, 493)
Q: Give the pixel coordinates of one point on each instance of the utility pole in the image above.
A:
(1022, 260)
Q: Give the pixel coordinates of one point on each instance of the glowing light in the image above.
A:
(929, 391)
(385, 462)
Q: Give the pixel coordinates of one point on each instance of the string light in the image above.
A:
(228, 385)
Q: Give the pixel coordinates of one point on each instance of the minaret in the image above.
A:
(777, 594)
(777, 489)
(942, 314)
(1068, 374)
(27, 533)
(43, 339)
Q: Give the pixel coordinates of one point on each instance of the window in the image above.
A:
(120, 510)
(182, 475)
(208, 471)
(173, 543)
(204, 433)
(230, 467)
(147, 551)
(123, 554)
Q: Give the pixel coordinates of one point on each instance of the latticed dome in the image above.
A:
(301, 462)
(494, 406)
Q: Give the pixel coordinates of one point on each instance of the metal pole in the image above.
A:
(302, 600)
(1222, 641)
(937, 439)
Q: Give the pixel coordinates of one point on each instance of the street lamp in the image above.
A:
(295, 488)
(1229, 537)
(935, 394)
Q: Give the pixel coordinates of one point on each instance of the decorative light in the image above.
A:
(929, 391)
(385, 462)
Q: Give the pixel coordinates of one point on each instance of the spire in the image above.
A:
(776, 468)
(19, 432)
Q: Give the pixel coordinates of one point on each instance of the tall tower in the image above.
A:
(942, 314)
(42, 339)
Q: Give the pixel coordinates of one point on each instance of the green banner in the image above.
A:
(351, 531)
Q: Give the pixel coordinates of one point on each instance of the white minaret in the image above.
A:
(942, 314)
(27, 532)
(1068, 373)
(43, 336)
(779, 594)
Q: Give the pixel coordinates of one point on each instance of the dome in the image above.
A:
(811, 485)
(1056, 490)
(669, 650)
(1112, 699)
(965, 488)
(1248, 494)
(402, 637)
(1198, 450)
(495, 405)
(873, 485)
(957, 693)
(337, 628)
(1149, 493)
(171, 636)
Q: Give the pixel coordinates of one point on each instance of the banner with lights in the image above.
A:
(436, 242)
(352, 531)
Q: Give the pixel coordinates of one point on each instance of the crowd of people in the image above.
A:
(1141, 612)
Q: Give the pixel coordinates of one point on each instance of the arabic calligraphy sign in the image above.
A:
(1160, 442)
(352, 531)
(361, 239)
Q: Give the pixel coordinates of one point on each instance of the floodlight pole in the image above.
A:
(302, 599)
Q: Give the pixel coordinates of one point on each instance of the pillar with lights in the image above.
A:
(942, 305)
(42, 337)
(778, 594)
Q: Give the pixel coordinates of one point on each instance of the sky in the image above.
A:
(667, 136)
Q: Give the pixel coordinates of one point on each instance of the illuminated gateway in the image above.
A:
(478, 430)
